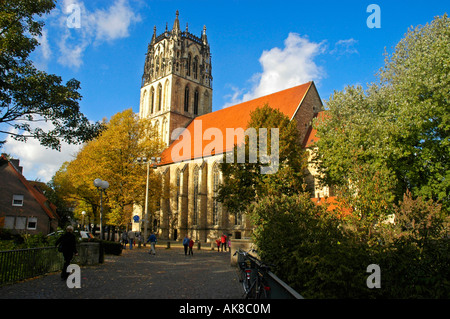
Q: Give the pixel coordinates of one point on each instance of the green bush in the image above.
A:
(314, 254)
(112, 247)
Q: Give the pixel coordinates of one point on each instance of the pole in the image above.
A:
(101, 215)
(146, 206)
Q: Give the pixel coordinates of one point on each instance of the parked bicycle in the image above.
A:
(252, 275)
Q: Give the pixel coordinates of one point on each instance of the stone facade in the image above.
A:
(177, 81)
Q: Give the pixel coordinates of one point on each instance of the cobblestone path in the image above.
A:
(137, 275)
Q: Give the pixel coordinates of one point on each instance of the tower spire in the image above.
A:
(176, 24)
(204, 38)
(154, 35)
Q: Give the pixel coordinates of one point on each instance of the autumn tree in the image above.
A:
(29, 96)
(112, 157)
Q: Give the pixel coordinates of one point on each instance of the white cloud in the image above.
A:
(114, 23)
(76, 28)
(343, 47)
(38, 162)
(284, 68)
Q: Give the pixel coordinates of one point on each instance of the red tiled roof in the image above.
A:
(233, 117)
(39, 197)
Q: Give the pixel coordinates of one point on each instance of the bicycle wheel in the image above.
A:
(263, 291)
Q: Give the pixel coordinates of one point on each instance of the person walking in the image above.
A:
(138, 238)
(131, 236)
(186, 244)
(124, 240)
(218, 244)
(223, 240)
(152, 240)
(68, 248)
(191, 244)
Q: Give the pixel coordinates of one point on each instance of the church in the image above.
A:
(176, 94)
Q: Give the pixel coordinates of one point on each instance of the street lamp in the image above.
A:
(101, 186)
(82, 220)
(153, 162)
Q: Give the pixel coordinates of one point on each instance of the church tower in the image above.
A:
(177, 82)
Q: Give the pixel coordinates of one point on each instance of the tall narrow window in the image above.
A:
(165, 132)
(215, 216)
(144, 104)
(188, 65)
(186, 99)
(196, 102)
(196, 188)
(238, 219)
(195, 67)
(178, 188)
(166, 96)
(159, 96)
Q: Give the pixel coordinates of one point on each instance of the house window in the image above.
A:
(17, 200)
(20, 222)
(32, 223)
(9, 222)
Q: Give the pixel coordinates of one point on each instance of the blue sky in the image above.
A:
(257, 47)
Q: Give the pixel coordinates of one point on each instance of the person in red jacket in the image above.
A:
(191, 244)
(218, 244)
(223, 240)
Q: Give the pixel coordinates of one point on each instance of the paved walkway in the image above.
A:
(137, 275)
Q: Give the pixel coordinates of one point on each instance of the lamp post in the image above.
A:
(101, 186)
(82, 220)
(152, 163)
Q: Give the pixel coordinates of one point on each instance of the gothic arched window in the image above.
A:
(195, 67)
(188, 65)
(144, 104)
(196, 102)
(178, 174)
(166, 96)
(159, 96)
(215, 215)
(196, 191)
(152, 100)
(186, 99)
(165, 132)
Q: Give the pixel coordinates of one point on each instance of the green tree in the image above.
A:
(398, 129)
(417, 89)
(243, 181)
(28, 95)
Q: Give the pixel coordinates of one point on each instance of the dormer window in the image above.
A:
(17, 200)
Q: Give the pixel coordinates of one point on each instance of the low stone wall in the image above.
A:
(244, 244)
(88, 254)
